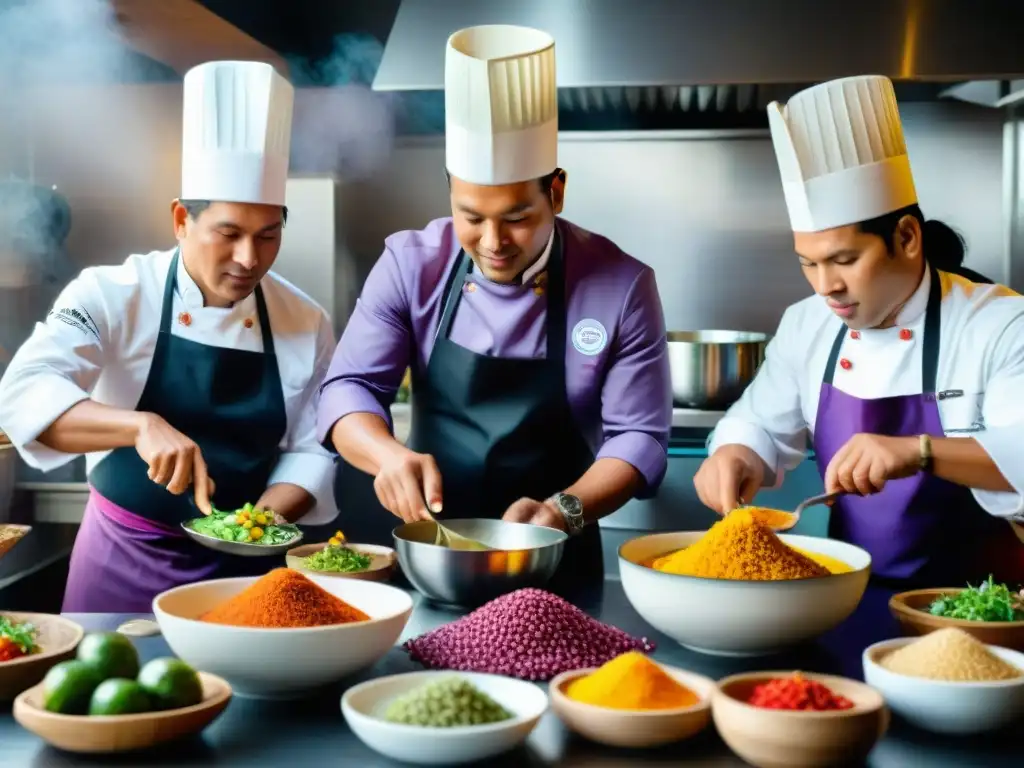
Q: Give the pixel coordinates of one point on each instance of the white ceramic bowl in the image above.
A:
(282, 662)
(946, 706)
(363, 707)
(740, 618)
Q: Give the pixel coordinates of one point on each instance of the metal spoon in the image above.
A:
(794, 516)
(445, 537)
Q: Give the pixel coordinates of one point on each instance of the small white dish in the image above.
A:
(363, 706)
(945, 706)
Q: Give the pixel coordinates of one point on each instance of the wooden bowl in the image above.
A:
(381, 567)
(58, 640)
(632, 728)
(120, 733)
(910, 609)
(773, 738)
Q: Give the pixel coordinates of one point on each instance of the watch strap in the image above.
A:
(925, 443)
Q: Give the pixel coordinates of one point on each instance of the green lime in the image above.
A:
(117, 696)
(111, 654)
(68, 687)
(171, 683)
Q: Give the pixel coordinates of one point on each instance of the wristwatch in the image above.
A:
(925, 442)
(572, 510)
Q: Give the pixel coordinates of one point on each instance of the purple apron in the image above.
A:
(920, 530)
(230, 402)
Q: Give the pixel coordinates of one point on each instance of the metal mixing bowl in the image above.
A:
(523, 556)
(710, 369)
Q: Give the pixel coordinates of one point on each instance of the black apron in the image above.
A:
(500, 429)
(229, 401)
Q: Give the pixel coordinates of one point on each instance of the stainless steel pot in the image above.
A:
(710, 369)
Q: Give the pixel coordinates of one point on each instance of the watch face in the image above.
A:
(570, 505)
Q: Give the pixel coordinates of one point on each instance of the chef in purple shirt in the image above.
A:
(540, 382)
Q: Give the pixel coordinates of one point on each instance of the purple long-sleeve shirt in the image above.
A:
(616, 357)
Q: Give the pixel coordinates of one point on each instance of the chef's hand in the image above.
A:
(866, 462)
(535, 513)
(174, 460)
(407, 483)
(731, 476)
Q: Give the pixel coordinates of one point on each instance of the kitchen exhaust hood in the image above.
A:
(659, 46)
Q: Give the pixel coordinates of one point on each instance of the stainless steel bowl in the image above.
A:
(523, 556)
(710, 369)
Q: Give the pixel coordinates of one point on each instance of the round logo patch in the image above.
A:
(589, 337)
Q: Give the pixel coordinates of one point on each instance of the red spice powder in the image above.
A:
(284, 598)
(797, 693)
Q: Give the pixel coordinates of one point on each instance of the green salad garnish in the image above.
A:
(247, 525)
(19, 633)
(337, 559)
(987, 602)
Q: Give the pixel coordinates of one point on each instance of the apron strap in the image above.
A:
(556, 304)
(930, 352)
(261, 313)
(453, 293)
(932, 329)
(168, 306)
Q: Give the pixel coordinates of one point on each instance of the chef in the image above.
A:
(905, 375)
(540, 380)
(186, 376)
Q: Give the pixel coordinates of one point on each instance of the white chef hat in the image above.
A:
(501, 104)
(841, 153)
(237, 122)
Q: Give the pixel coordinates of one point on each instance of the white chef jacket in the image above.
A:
(981, 353)
(98, 341)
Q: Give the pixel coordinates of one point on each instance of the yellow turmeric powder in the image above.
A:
(631, 681)
(833, 564)
(738, 547)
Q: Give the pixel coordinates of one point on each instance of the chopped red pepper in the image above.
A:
(797, 693)
(9, 650)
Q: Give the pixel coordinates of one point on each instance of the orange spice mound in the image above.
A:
(739, 547)
(283, 598)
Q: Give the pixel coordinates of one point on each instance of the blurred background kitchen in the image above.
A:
(664, 138)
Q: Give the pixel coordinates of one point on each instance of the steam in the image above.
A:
(46, 43)
(346, 128)
(60, 42)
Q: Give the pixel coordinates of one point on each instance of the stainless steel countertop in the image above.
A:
(313, 732)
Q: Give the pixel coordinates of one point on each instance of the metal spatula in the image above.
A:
(445, 537)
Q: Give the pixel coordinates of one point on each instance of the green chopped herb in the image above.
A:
(987, 602)
(337, 560)
(22, 634)
(247, 525)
